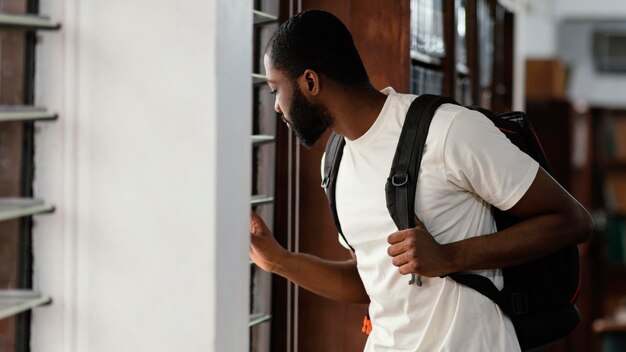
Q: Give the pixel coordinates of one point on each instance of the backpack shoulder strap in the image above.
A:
(332, 159)
(402, 182)
(484, 286)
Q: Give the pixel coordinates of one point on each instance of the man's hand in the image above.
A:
(415, 251)
(337, 280)
(264, 250)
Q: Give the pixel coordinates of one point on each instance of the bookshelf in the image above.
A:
(428, 46)
(453, 46)
(609, 208)
(610, 197)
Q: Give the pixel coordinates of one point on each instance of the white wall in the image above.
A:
(578, 20)
(539, 22)
(535, 36)
(603, 9)
(538, 35)
(585, 83)
(149, 167)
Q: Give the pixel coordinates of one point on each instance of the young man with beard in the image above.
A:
(468, 165)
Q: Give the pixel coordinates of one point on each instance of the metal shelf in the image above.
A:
(13, 302)
(462, 69)
(256, 319)
(261, 200)
(13, 208)
(258, 79)
(27, 22)
(425, 59)
(263, 18)
(25, 113)
(259, 139)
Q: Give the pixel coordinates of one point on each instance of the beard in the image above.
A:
(307, 120)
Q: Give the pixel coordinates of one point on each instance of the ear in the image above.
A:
(309, 83)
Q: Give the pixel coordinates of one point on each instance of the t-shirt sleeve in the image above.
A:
(480, 159)
(343, 242)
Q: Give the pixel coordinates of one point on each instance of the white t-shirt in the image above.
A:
(467, 165)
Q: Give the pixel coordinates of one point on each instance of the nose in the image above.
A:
(277, 107)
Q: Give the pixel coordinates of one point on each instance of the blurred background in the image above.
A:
(135, 137)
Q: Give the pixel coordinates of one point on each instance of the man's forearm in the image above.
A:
(338, 280)
(526, 241)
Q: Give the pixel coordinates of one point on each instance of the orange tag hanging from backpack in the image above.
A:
(367, 325)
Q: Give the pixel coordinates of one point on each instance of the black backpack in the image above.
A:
(537, 296)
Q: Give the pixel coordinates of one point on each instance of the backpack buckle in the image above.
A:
(519, 303)
(399, 180)
(325, 182)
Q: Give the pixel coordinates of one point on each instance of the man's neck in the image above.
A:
(356, 111)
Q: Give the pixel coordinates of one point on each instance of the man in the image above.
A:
(319, 81)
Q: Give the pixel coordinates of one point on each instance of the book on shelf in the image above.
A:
(426, 80)
(463, 93)
(615, 191)
(426, 25)
(486, 26)
(614, 133)
(461, 33)
(615, 243)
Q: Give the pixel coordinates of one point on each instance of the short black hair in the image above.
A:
(319, 41)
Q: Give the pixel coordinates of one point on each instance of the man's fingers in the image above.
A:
(256, 223)
(406, 264)
(253, 222)
(408, 268)
(395, 238)
(401, 241)
(395, 250)
(401, 259)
